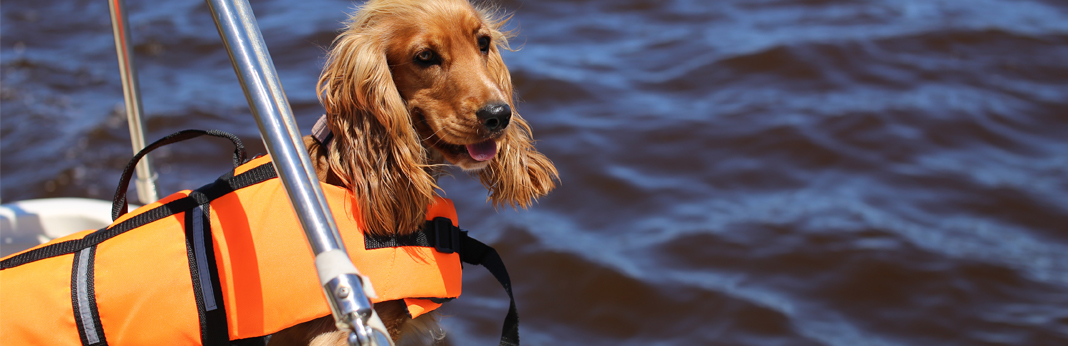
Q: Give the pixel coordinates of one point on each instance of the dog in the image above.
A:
(409, 87)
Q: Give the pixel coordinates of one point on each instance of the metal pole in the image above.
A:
(341, 282)
(146, 178)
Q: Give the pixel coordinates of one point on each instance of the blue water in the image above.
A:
(774, 172)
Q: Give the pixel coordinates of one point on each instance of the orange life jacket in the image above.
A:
(224, 262)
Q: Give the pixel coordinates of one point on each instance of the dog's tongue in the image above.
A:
(482, 151)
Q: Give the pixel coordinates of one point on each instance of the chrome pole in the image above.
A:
(146, 178)
(342, 284)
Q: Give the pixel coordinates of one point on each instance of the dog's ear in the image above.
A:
(519, 174)
(375, 153)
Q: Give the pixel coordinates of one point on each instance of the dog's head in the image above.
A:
(409, 83)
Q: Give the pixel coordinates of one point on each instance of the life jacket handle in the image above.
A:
(118, 203)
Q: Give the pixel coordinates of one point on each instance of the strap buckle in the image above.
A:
(446, 236)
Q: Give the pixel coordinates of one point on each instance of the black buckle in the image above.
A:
(446, 236)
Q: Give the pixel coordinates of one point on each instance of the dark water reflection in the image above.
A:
(806, 172)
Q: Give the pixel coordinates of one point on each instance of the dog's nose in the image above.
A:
(495, 116)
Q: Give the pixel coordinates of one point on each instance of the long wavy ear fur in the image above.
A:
(376, 154)
(519, 174)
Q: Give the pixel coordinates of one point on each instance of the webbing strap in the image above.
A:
(475, 252)
(438, 233)
(83, 298)
(204, 273)
(443, 236)
(118, 204)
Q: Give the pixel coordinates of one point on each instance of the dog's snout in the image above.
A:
(495, 116)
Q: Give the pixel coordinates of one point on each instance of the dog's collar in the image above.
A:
(322, 132)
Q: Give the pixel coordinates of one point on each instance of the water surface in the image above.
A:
(775, 172)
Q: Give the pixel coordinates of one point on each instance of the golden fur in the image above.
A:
(397, 118)
(375, 96)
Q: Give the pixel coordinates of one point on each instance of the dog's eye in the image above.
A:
(483, 44)
(427, 58)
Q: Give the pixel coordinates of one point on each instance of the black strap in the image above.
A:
(118, 204)
(475, 252)
(438, 233)
(446, 238)
(204, 272)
